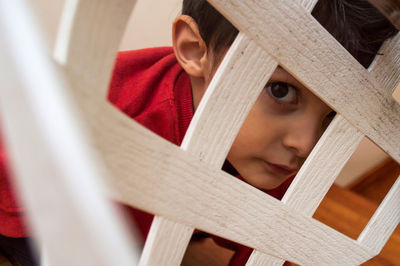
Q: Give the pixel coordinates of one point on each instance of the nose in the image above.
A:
(303, 134)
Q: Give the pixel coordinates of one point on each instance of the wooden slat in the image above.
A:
(88, 40)
(390, 9)
(386, 66)
(239, 80)
(321, 63)
(56, 172)
(165, 247)
(166, 242)
(323, 166)
(158, 177)
(260, 259)
(386, 69)
(384, 221)
(308, 4)
(213, 129)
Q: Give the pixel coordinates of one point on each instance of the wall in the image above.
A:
(366, 157)
(150, 23)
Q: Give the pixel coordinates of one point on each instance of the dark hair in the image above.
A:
(217, 32)
(356, 24)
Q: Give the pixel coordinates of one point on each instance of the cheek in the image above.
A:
(244, 143)
(259, 132)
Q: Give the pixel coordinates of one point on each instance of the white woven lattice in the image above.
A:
(183, 185)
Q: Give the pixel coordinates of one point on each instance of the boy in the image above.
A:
(162, 87)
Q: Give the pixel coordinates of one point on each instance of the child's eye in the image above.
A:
(282, 92)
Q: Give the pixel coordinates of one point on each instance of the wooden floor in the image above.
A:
(348, 210)
(4, 261)
(348, 213)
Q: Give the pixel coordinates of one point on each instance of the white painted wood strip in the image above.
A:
(287, 31)
(384, 221)
(235, 87)
(89, 36)
(259, 259)
(162, 245)
(322, 166)
(386, 67)
(156, 176)
(166, 243)
(88, 39)
(239, 80)
(308, 4)
(56, 172)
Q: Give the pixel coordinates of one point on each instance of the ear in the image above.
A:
(189, 47)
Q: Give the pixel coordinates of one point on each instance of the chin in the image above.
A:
(265, 182)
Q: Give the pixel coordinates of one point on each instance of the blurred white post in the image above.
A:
(56, 172)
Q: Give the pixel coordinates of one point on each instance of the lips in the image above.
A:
(281, 169)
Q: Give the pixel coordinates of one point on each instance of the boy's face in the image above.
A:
(282, 127)
(279, 133)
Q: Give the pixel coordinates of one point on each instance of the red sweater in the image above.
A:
(149, 86)
(11, 214)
